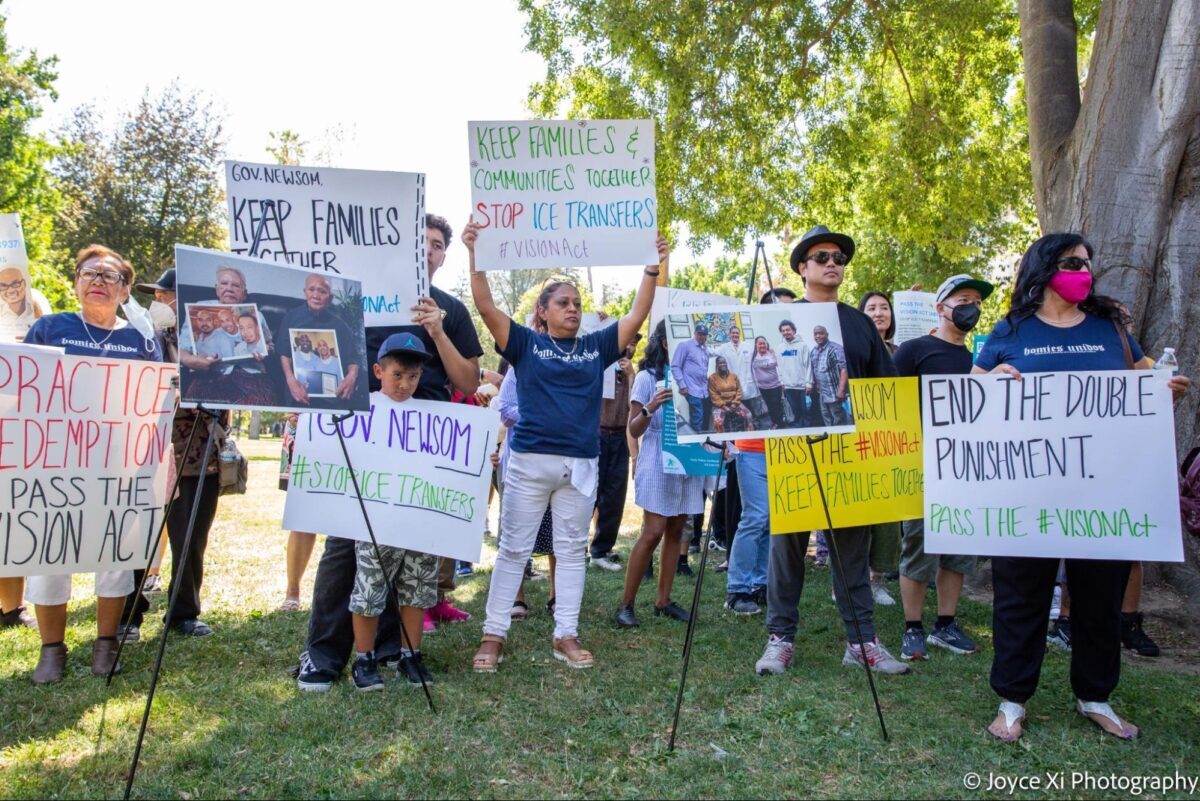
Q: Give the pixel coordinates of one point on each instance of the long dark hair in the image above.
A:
(654, 357)
(1036, 270)
(891, 329)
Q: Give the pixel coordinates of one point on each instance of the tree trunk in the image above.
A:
(1119, 161)
(255, 423)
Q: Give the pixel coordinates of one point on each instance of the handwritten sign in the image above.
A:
(870, 476)
(915, 314)
(423, 469)
(685, 460)
(16, 299)
(360, 224)
(84, 446)
(563, 193)
(669, 300)
(1063, 465)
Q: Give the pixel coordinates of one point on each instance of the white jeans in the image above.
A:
(531, 481)
(56, 590)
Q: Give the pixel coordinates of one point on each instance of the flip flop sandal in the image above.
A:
(486, 661)
(1101, 708)
(1013, 714)
(520, 610)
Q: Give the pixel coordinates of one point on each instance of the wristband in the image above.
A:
(656, 273)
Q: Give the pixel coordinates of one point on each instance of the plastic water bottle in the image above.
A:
(1168, 362)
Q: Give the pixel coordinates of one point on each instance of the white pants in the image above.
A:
(531, 481)
(56, 590)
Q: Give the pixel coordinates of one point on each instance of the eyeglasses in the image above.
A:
(89, 275)
(823, 257)
(1073, 263)
(18, 284)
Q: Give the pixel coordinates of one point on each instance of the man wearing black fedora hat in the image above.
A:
(820, 258)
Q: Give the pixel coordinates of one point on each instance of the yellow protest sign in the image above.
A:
(873, 475)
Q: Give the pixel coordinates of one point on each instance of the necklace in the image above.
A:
(559, 349)
(87, 330)
(1062, 323)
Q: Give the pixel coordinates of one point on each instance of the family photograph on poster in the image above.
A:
(747, 372)
(257, 334)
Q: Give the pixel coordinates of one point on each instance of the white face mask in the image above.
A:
(139, 318)
(162, 315)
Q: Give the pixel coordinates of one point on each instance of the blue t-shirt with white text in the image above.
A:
(559, 388)
(1036, 347)
(67, 330)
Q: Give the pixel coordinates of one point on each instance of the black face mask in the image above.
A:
(965, 317)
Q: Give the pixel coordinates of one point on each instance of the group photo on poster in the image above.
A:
(744, 372)
(261, 335)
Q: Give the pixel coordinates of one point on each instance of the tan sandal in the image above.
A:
(487, 658)
(570, 651)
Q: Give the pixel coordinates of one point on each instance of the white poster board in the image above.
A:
(84, 445)
(563, 193)
(1062, 465)
(915, 314)
(590, 323)
(16, 298)
(365, 225)
(668, 298)
(423, 468)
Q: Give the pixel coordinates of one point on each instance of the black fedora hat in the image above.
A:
(816, 236)
(165, 282)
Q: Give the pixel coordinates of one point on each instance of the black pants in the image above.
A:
(798, 401)
(774, 401)
(611, 486)
(188, 583)
(1024, 588)
(330, 631)
(727, 508)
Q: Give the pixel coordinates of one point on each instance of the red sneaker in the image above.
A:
(446, 612)
(428, 627)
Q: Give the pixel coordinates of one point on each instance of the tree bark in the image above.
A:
(1119, 160)
(255, 424)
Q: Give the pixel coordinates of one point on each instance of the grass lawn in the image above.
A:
(229, 723)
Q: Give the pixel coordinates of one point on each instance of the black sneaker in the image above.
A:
(192, 628)
(1134, 638)
(310, 679)
(759, 596)
(366, 674)
(413, 669)
(684, 569)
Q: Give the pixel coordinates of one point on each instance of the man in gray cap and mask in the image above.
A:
(821, 258)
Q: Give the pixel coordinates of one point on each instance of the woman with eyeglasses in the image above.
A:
(555, 446)
(103, 280)
(1056, 322)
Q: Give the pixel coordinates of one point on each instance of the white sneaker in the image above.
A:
(776, 657)
(880, 594)
(606, 563)
(877, 657)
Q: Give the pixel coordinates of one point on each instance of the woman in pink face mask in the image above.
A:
(1057, 323)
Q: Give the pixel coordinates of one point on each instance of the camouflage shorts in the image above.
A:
(413, 574)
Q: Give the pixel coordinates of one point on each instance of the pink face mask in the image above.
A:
(1072, 286)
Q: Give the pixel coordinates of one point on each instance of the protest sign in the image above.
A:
(257, 334)
(423, 469)
(590, 323)
(870, 476)
(915, 314)
(685, 460)
(563, 193)
(668, 298)
(16, 298)
(364, 225)
(1062, 465)
(84, 445)
(766, 354)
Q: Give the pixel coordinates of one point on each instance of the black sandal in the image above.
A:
(550, 605)
(520, 610)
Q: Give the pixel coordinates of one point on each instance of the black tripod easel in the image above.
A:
(760, 252)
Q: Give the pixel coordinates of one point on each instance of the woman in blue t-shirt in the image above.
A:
(102, 282)
(554, 446)
(1057, 322)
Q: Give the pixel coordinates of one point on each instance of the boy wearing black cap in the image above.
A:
(943, 352)
(402, 358)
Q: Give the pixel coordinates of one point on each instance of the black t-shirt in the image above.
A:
(459, 328)
(929, 355)
(866, 353)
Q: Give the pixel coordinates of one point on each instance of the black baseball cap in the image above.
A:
(165, 282)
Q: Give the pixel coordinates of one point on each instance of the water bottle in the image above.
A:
(1168, 362)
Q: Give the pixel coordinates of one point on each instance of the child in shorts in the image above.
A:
(412, 574)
